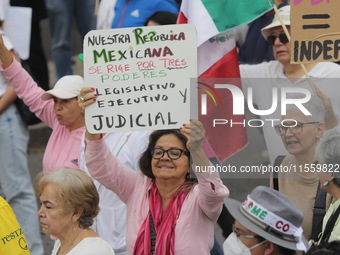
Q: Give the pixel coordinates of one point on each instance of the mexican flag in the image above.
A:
(215, 22)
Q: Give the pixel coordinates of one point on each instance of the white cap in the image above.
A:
(66, 87)
(284, 14)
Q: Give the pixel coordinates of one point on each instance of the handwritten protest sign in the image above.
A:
(142, 77)
(315, 30)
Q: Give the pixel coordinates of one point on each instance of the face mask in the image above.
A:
(233, 246)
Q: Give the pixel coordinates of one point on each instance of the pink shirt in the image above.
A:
(63, 147)
(194, 233)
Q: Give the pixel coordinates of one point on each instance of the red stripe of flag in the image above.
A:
(223, 140)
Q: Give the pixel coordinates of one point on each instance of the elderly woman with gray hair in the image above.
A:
(328, 152)
(297, 179)
(69, 202)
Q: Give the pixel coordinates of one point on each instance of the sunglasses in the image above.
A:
(282, 37)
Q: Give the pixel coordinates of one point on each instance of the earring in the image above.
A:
(325, 183)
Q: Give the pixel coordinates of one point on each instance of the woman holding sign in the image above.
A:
(58, 108)
(167, 212)
(281, 74)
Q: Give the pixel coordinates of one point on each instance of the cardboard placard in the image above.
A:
(315, 30)
(141, 75)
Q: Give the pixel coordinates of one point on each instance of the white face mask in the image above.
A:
(233, 246)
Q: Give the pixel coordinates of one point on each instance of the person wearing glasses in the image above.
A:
(266, 223)
(280, 74)
(300, 135)
(255, 48)
(59, 109)
(167, 211)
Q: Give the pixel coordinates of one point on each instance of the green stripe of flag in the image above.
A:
(228, 14)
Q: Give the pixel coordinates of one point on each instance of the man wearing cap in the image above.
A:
(280, 74)
(266, 223)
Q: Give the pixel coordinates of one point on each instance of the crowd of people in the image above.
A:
(139, 192)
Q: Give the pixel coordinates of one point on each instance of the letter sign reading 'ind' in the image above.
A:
(315, 31)
(142, 77)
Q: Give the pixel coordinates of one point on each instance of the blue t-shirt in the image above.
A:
(134, 13)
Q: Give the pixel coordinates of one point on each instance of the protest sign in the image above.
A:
(315, 30)
(142, 77)
(18, 30)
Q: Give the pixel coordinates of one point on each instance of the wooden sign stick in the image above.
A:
(288, 36)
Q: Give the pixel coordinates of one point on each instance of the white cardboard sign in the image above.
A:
(315, 31)
(17, 27)
(142, 77)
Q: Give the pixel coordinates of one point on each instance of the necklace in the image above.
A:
(70, 245)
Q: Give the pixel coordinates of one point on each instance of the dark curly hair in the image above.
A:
(145, 160)
(163, 18)
(331, 248)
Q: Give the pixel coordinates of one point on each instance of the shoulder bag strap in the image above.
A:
(329, 226)
(319, 211)
(277, 162)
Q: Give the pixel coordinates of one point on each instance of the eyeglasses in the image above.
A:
(296, 129)
(158, 153)
(282, 37)
(244, 236)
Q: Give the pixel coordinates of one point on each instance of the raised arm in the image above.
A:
(6, 56)
(102, 164)
(330, 118)
(24, 85)
(7, 98)
(195, 133)
(211, 189)
(86, 98)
